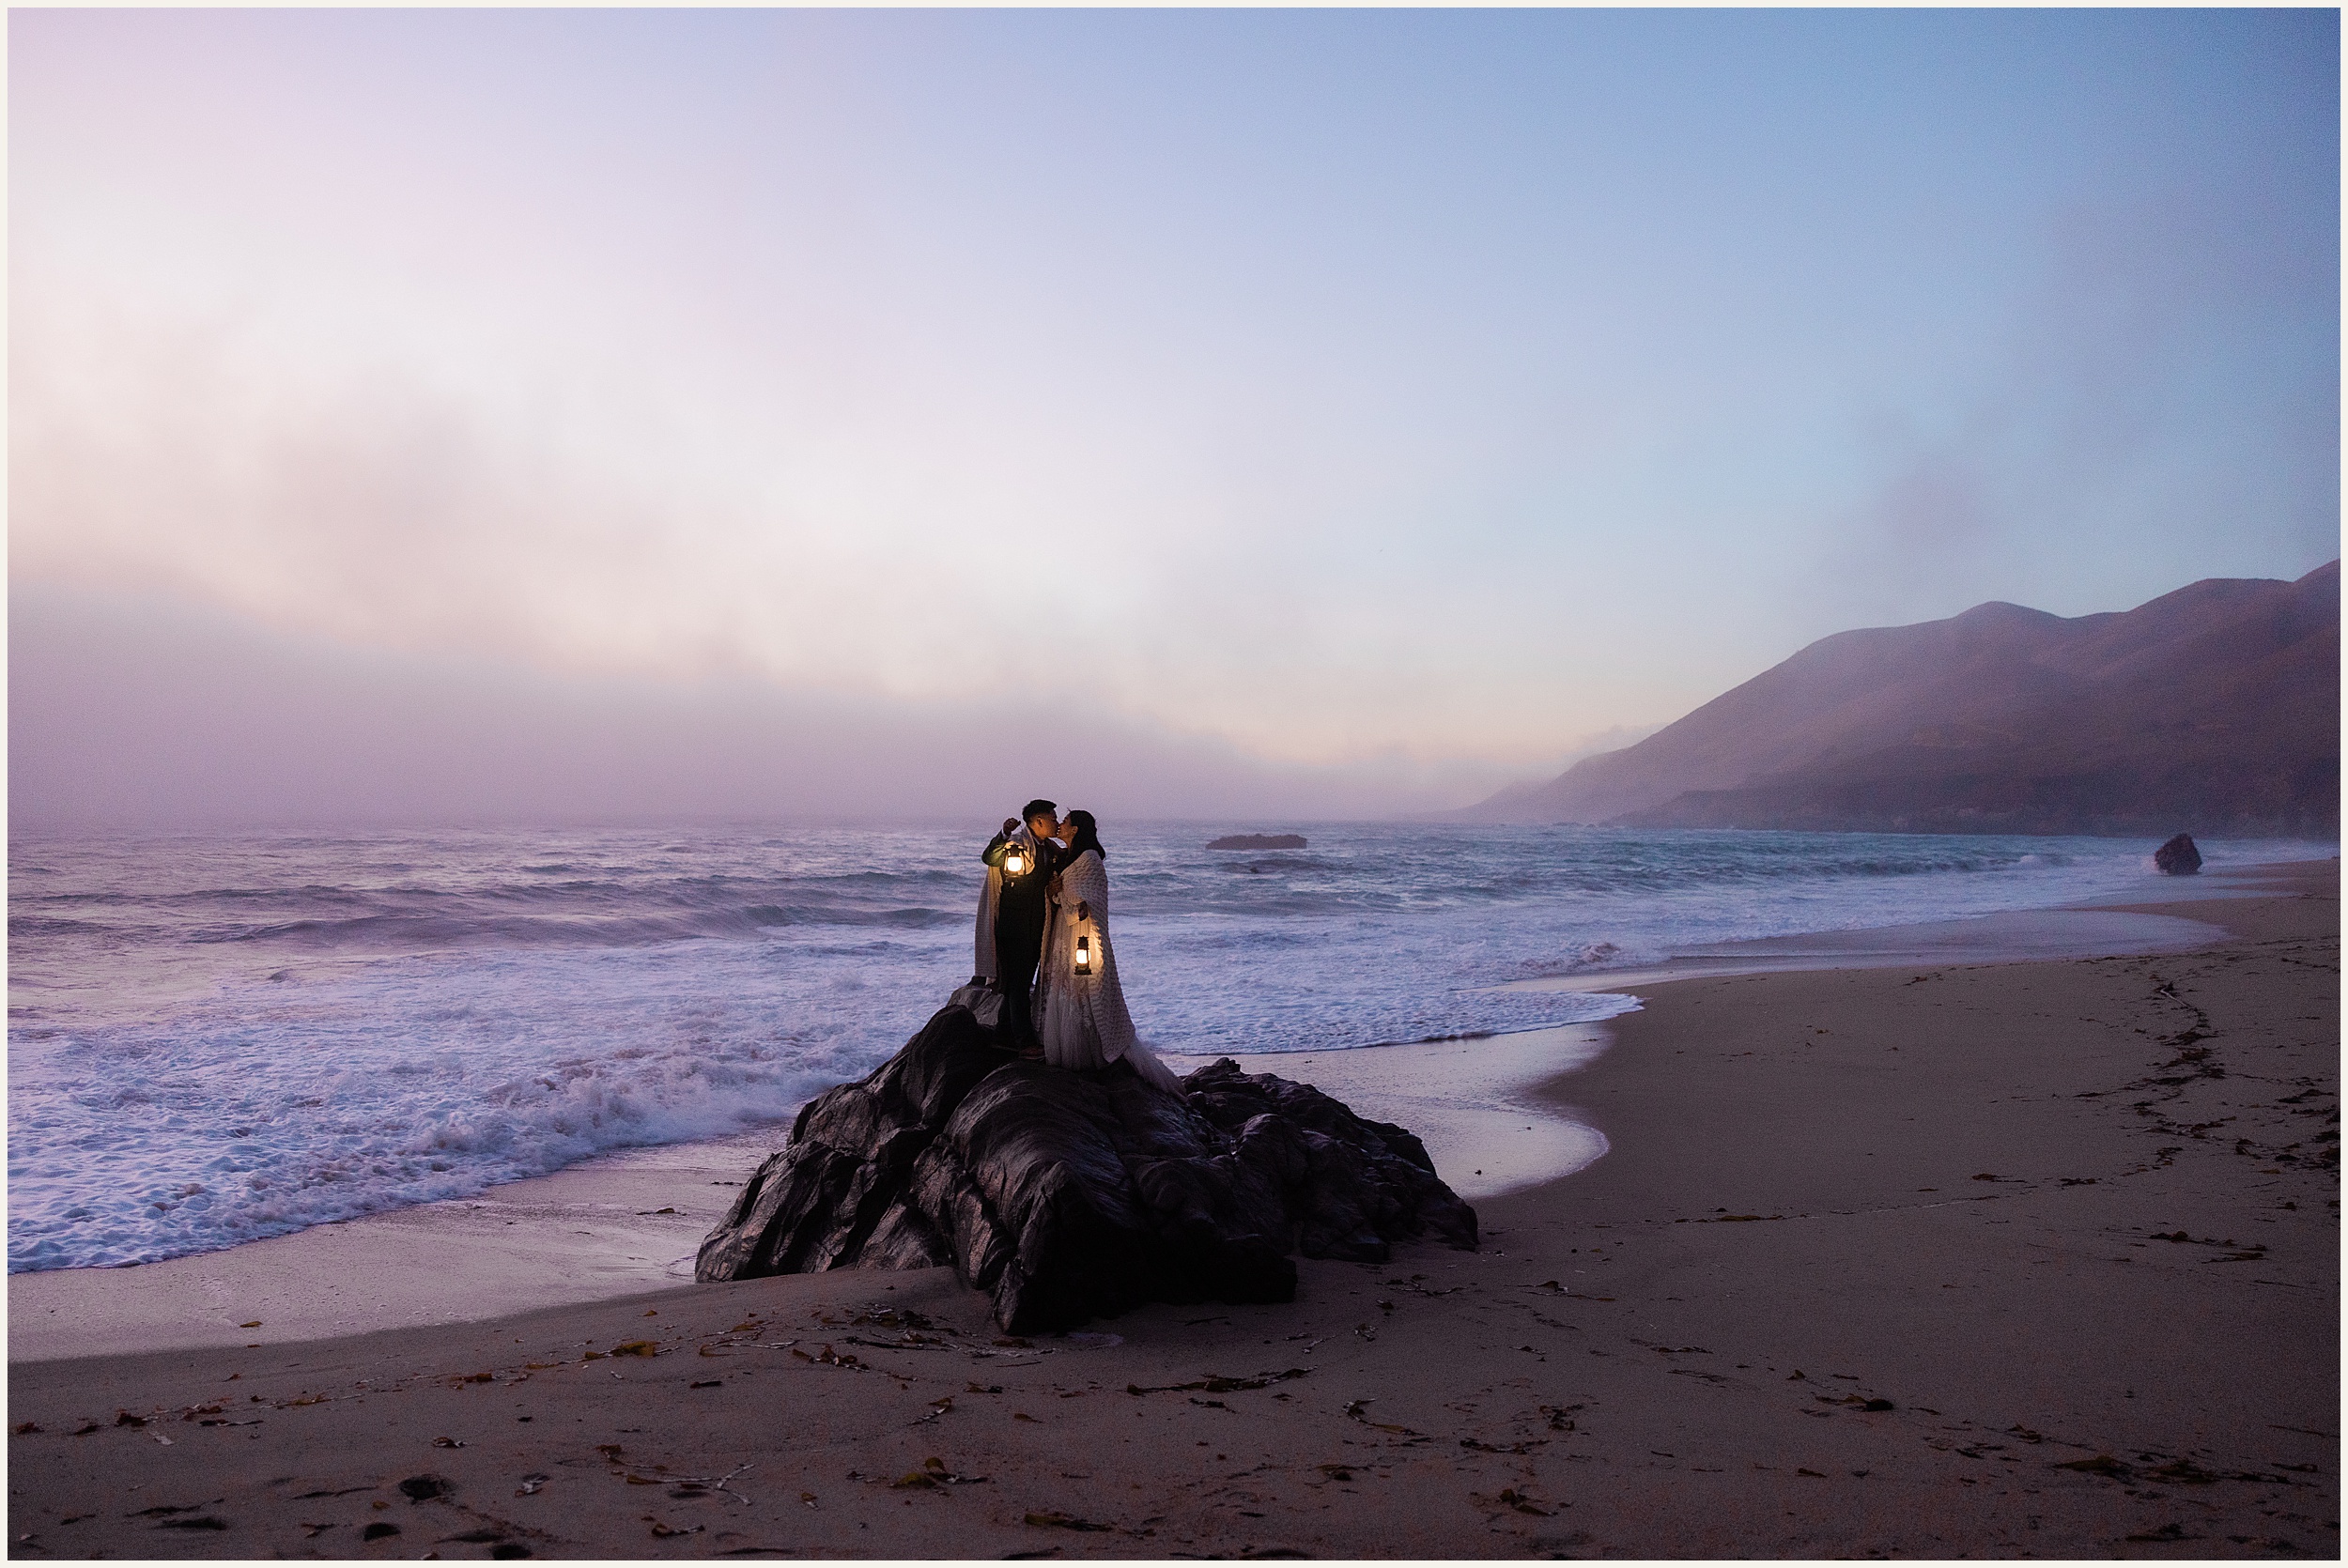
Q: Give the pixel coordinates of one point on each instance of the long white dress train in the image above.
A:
(1084, 1021)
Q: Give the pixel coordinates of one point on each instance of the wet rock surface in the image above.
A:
(2180, 856)
(1067, 1196)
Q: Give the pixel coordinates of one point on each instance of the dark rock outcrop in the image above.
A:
(1259, 841)
(2179, 857)
(1072, 1195)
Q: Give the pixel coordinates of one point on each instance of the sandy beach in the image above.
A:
(1926, 1258)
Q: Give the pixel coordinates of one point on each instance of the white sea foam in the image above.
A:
(220, 1039)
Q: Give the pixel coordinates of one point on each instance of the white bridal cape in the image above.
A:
(1083, 1018)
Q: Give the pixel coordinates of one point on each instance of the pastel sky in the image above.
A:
(1340, 412)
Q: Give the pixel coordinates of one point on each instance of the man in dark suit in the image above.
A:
(1019, 912)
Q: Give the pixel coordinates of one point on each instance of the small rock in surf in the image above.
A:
(2178, 857)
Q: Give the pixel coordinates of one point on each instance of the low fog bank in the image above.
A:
(130, 713)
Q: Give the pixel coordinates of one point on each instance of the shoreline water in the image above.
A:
(2014, 1299)
(629, 1223)
(2018, 936)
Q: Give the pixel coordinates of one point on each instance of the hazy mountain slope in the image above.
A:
(2213, 709)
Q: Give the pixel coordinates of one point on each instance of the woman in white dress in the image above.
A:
(1084, 1022)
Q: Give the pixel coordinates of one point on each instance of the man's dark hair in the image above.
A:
(1039, 808)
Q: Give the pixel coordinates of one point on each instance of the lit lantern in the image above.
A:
(1083, 955)
(1015, 862)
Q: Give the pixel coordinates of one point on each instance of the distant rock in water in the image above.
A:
(2179, 857)
(1259, 842)
(1072, 1195)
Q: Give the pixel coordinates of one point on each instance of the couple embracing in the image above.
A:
(1044, 945)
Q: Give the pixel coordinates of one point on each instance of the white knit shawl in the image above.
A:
(1084, 1020)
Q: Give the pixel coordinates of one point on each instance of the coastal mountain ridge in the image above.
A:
(2213, 709)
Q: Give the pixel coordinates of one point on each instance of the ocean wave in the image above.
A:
(1592, 954)
(21, 927)
(212, 1175)
(254, 1115)
(416, 931)
(396, 932)
(1261, 862)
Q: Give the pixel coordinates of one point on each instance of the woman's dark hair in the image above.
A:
(1088, 835)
